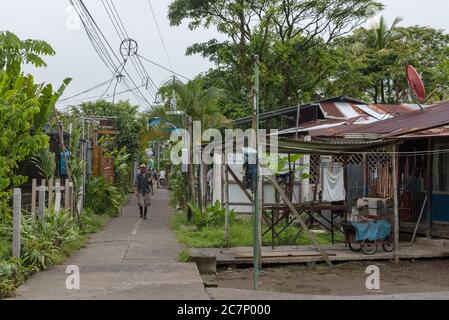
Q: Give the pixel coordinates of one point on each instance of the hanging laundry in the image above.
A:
(334, 183)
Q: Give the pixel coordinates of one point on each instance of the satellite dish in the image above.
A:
(416, 84)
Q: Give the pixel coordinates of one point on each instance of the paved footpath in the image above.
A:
(130, 259)
(136, 259)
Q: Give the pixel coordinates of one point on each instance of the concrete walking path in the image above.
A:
(134, 259)
(130, 259)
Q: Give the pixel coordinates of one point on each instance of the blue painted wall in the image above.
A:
(440, 207)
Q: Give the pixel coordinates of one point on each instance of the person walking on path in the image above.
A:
(162, 177)
(144, 190)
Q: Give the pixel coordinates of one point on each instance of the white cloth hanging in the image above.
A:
(333, 183)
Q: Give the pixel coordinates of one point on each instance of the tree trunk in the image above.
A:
(376, 94)
(382, 92)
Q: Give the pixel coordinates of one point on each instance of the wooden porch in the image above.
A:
(242, 256)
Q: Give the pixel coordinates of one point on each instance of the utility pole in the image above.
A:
(257, 242)
(191, 174)
(173, 101)
(158, 156)
(396, 203)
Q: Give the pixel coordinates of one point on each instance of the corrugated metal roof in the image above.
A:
(292, 111)
(407, 123)
(436, 132)
(344, 110)
(326, 147)
(312, 126)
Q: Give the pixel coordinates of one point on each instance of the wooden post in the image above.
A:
(57, 196)
(204, 183)
(41, 210)
(190, 173)
(67, 195)
(365, 176)
(17, 219)
(226, 200)
(302, 223)
(429, 188)
(348, 207)
(50, 193)
(33, 197)
(396, 204)
(199, 180)
(259, 214)
(72, 203)
(191, 181)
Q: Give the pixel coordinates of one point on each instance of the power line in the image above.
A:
(140, 68)
(160, 34)
(119, 19)
(86, 91)
(118, 25)
(92, 99)
(165, 68)
(93, 37)
(100, 35)
(120, 33)
(116, 77)
(123, 35)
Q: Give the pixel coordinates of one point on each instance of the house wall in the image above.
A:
(440, 207)
(440, 197)
(236, 195)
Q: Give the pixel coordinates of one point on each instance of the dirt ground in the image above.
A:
(346, 279)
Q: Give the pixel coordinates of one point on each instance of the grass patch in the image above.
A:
(5, 249)
(183, 255)
(240, 234)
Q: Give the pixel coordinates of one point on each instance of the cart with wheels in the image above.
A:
(368, 244)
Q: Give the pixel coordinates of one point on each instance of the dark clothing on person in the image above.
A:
(144, 183)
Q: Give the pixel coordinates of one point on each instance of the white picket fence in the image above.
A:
(48, 194)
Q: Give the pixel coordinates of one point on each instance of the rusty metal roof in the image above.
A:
(345, 110)
(290, 145)
(415, 121)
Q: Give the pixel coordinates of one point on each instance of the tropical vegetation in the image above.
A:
(27, 110)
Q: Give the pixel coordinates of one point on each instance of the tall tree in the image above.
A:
(127, 117)
(195, 100)
(383, 35)
(361, 66)
(288, 36)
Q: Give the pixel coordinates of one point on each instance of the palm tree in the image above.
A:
(383, 32)
(195, 101)
(382, 37)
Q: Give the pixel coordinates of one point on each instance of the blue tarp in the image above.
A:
(373, 230)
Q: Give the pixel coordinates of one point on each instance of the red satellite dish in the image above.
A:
(416, 84)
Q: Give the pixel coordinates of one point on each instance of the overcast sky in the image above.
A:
(48, 20)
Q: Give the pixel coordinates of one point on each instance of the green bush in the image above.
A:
(178, 183)
(42, 241)
(103, 197)
(211, 234)
(213, 215)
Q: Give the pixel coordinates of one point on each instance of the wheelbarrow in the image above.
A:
(366, 246)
